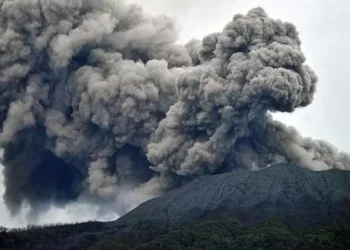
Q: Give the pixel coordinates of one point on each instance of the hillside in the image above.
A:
(296, 194)
(273, 208)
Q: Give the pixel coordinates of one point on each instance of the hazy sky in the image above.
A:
(323, 27)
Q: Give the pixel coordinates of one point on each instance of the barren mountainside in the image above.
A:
(287, 190)
(315, 204)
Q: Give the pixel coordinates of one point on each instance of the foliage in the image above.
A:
(227, 234)
(50, 237)
(207, 234)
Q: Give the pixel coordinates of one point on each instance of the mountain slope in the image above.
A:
(296, 198)
(285, 190)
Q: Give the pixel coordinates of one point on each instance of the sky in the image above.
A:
(323, 28)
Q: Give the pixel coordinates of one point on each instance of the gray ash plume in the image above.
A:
(96, 98)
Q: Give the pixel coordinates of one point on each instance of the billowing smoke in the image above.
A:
(97, 100)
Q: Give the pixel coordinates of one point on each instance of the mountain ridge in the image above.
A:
(282, 189)
(296, 197)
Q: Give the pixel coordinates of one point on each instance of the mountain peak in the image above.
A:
(284, 190)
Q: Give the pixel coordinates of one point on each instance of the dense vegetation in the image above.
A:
(72, 236)
(209, 234)
(227, 234)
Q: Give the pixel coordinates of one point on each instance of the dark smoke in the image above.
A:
(97, 100)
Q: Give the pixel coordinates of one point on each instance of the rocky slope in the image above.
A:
(299, 195)
(292, 195)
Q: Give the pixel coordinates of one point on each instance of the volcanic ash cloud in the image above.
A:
(98, 100)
